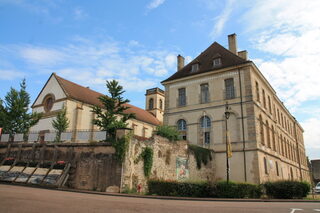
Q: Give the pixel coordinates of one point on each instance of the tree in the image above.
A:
(60, 124)
(112, 116)
(14, 115)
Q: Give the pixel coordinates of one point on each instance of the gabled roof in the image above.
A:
(86, 95)
(205, 59)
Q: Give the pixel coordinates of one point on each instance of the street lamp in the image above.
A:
(227, 115)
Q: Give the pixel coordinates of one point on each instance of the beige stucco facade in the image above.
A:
(273, 151)
(78, 113)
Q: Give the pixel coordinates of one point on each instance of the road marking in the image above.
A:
(293, 210)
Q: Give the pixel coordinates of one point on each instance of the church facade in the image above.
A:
(266, 140)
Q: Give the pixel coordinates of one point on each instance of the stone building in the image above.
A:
(266, 140)
(78, 100)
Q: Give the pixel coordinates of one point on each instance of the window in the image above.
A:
(182, 97)
(265, 166)
(161, 104)
(229, 88)
(216, 62)
(269, 105)
(195, 67)
(204, 93)
(264, 98)
(150, 103)
(206, 137)
(268, 134)
(205, 122)
(182, 125)
(273, 139)
(48, 103)
(257, 91)
(277, 168)
(261, 130)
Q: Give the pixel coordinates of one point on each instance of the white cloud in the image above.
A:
(154, 4)
(91, 61)
(312, 133)
(221, 20)
(40, 55)
(10, 74)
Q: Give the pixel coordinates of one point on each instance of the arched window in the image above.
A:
(205, 122)
(268, 134)
(182, 125)
(261, 130)
(182, 128)
(151, 103)
(161, 104)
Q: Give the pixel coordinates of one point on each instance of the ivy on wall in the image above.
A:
(201, 155)
(147, 156)
(121, 146)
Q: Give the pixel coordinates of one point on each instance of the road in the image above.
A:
(27, 199)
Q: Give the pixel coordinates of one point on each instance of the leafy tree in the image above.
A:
(60, 124)
(14, 115)
(169, 132)
(112, 115)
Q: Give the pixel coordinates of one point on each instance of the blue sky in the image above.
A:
(136, 42)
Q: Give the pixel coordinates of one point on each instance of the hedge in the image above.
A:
(203, 189)
(287, 189)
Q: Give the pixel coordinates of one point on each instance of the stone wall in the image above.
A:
(93, 166)
(171, 161)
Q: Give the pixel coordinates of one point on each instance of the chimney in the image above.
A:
(232, 40)
(180, 62)
(243, 54)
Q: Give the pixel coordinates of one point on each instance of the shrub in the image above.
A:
(203, 189)
(202, 155)
(223, 189)
(287, 189)
(169, 132)
(174, 188)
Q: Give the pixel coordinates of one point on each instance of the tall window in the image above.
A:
(257, 91)
(273, 139)
(277, 168)
(205, 123)
(264, 98)
(268, 134)
(269, 105)
(229, 87)
(265, 166)
(182, 97)
(261, 130)
(161, 104)
(151, 103)
(204, 93)
(182, 128)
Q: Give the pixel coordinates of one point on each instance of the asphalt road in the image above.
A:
(27, 199)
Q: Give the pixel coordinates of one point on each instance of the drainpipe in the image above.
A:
(243, 135)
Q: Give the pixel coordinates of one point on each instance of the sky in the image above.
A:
(136, 43)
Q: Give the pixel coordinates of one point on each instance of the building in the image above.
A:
(266, 140)
(78, 100)
(315, 168)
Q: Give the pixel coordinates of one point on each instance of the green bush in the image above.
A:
(174, 188)
(204, 189)
(169, 132)
(202, 155)
(223, 189)
(287, 189)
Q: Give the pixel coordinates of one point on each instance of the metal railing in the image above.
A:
(81, 136)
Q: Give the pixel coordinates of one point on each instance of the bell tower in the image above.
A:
(155, 102)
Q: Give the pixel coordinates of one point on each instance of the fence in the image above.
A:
(81, 136)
